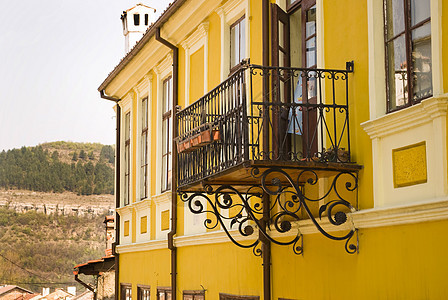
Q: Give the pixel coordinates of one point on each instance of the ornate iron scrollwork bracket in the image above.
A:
(288, 204)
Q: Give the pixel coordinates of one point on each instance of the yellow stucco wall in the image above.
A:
(148, 268)
(344, 42)
(214, 55)
(197, 75)
(400, 262)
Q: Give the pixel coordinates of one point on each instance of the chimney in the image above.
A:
(136, 21)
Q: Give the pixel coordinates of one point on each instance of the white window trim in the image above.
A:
(143, 90)
(163, 70)
(125, 105)
(229, 13)
(198, 39)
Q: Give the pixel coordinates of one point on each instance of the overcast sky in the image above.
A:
(54, 54)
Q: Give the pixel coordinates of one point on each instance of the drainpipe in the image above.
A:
(265, 243)
(174, 165)
(117, 189)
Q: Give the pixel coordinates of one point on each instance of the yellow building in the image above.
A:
(284, 150)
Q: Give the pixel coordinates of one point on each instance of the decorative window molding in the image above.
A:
(229, 13)
(125, 213)
(198, 39)
(126, 105)
(377, 72)
(163, 70)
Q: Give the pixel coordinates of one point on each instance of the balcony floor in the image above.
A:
(240, 176)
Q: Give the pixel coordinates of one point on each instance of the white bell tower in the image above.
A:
(136, 21)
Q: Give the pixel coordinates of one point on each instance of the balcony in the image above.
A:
(262, 117)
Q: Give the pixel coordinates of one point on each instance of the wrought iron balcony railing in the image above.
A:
(292, 116)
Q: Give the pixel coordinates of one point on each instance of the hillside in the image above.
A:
(83, 168)
(38, 250)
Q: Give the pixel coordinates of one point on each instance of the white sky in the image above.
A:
(54, 54)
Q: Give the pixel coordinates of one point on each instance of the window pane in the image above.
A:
(234, 45)
(311, 52)
(188, 297)
(421, 62)
(311, 21)
(144, 113)
(242, 39)
(168, 295)
(164, 173)
(136, 19)
(165, 136)
(397, 75)
(395, 17)
(419, 11)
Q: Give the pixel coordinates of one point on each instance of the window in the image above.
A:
(164, 294)
(144, 151)
(136, 19)
(167, 140)
(143, 292)
(194, 295)
(146, 19)
(408, 52)
(126, 292)
(235, 297)
(127, 152)
(237, 42)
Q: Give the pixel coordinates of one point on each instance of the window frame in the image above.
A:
(127, 159)
(237, 65)
(124, 288)
(141, 289)
(165, 291)
(194, 294)
(144, 150)
(224, 296)
(407, 33)
(166, 116)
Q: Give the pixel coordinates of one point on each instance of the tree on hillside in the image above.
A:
(75, 156)
(107, 154)
(82, 154)
(91, 156)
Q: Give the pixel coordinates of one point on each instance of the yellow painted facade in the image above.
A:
(400, 229)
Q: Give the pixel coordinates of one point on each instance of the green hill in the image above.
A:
(83, 168)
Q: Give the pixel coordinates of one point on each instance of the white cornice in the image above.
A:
(407, 118)
(197, 36)
(142, 87)
(229, 7)
(165, 64)
(162, 198)
(146, 246)
(213, 237)
(125, 210)
(142, 205)
(404, 214)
